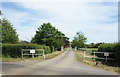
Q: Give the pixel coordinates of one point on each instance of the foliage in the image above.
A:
(0, 27)
(14, 50)
(93, 45)
(50, 36)
(52, 48)
(79, 40)
(0, 12)
(9, 34)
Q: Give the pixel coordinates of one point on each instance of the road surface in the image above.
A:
(64, 64)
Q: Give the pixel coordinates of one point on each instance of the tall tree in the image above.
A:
(0, 12)
(49, 35)
(9, 34)
(79, 40)
(0, 27)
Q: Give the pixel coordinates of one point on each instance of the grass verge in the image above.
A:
(89, 61)
(47, 56)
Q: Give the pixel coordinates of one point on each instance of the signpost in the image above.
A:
(106, 54)
(32, 52)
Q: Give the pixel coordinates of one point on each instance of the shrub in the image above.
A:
(52, 49)
(14, 50)
(114, 47)
(47, 49)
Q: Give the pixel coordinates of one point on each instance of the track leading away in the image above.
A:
(64, 64)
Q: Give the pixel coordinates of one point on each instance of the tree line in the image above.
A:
(46, 34)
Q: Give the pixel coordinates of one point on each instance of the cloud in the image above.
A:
(60, 1)
(94, 19)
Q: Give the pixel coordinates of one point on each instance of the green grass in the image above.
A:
(92, 48)
(47, 56)
(89, 61)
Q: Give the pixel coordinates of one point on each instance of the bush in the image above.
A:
(47, 49)
(14, 50)
(52, 49)
(114, 47)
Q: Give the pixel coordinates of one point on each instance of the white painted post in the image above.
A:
(75, 48)
(32, 55)
(61, 48)
(94, 56)
(84, 54)
(43, 55)
(22, 53)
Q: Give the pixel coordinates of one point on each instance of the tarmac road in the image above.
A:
(64, 64)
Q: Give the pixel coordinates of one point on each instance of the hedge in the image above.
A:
(114, 47)
(52, 48)
(14, 50)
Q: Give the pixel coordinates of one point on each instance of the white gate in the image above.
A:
(32, 52)
(106, 54)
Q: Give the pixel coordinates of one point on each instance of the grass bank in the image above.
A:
(89, 61)
(47, 56)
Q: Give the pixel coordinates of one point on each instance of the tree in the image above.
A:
(0, 27)
(0, 12)
(50, 36)
(92, 45)
(9, 34)
(79, 40)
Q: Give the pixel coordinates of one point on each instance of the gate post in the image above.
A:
(84, 54)
(94, 57)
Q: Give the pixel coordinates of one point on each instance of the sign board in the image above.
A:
(106, 54)
(32, 51)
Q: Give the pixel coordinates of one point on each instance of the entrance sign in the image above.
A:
(32, 51)
(106, 54)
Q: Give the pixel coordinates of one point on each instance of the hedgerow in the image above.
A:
(113, 47)
(14, 50)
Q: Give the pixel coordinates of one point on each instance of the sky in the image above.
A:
(96, 19)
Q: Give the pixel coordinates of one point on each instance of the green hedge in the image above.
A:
(114, 47)
(52, 49)
(14, 50)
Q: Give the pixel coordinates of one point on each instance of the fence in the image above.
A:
(32, 52)
(106, 54)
